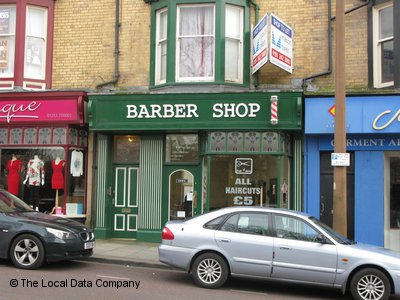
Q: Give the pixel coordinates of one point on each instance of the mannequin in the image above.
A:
(35, 175)
(14, 166)
(57, 180)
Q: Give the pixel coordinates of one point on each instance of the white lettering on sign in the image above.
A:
(392, 119)
(165, 111)
(232, 110)
(19, 110)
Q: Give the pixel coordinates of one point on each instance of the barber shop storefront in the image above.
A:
(373, 177)
(173, 156)
(43, 150)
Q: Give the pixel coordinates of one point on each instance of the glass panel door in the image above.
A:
(181, 194)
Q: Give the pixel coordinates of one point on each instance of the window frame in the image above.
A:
(18, 78)
(377, 46)
(219, 40)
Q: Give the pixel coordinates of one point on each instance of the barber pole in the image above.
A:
(274, 110)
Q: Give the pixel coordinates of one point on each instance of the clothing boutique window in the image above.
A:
(33, 39)
(207, 42)
(383, 49)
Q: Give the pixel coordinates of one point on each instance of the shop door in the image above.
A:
(125, 207)
(182, 193)
(392, 206)
(326, 192)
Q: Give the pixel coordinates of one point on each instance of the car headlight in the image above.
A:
(63, 235)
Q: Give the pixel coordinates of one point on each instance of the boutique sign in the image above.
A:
(24, 111)
(364, 115)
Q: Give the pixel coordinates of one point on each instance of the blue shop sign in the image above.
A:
(364, 114)
(362, 142)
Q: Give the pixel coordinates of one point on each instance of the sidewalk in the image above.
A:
(126, 252)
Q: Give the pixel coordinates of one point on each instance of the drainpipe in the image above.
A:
(256, 9)
(330, 19)
(116, 49)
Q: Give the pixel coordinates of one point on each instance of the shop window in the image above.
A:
(383, 51)
(181, 148)
(126, 149)
(3, 136)
(245, 180)
(16, 136)
(59, 135)
(261, 142)
(200, 42)
(44, 136)
(30, 136)
(68, 191)
(29, 68)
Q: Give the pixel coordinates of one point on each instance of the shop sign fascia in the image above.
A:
(43, 108)
(151, 112)
(377, 114)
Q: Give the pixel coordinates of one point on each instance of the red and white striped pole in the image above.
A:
(274, 110)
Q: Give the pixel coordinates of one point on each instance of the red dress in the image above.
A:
(13, 168)
(57, 180)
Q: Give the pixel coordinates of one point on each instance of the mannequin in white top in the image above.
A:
(35, 178)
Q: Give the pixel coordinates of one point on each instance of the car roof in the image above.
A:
(234, 209)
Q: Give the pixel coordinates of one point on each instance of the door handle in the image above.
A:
(224, 240)
(283, 247)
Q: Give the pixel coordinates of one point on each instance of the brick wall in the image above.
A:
(84, 44)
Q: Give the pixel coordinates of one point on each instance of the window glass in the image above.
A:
(126, 149)
(233, 42)
(214, 224)
(384, 51)
(287, 227)
(161, 50)
(35, 44)
(181, 148)
(386, 22)
(245, 180)
(249, 223)
(195, 35)
(387, 61)
(7, 40)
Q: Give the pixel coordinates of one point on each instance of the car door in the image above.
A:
(245, 239)
(297, 253)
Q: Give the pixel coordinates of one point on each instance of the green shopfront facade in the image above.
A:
(160, 157)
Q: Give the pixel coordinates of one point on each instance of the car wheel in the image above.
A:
(370, 284)
(27, 252)
(210, 271)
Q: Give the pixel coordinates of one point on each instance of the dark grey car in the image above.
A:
(30, 238)
(279, 245)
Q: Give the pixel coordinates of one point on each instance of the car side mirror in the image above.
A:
(320, 238)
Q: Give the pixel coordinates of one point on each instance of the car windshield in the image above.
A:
(10, 203)
(335, 235)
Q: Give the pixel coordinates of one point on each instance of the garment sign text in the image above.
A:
(189, 111)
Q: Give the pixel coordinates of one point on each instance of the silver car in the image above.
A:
(277, 244)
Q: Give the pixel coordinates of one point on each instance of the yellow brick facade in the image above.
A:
(84, 44)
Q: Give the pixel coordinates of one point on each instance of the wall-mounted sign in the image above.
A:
(281, 44)
(260, 44)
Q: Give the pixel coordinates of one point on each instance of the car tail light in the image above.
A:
(167, 234)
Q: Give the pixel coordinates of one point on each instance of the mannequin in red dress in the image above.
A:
(14, 166)
(57, 180)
